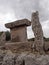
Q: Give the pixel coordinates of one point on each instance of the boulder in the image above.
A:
(9, 59)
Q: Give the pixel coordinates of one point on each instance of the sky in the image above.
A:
(11, 10)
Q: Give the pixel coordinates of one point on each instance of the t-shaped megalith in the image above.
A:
(18, 30)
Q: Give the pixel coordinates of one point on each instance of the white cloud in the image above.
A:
(8, 17)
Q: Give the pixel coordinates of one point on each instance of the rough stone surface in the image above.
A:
(31, 59)
(9, 59)
(37, 60)
(25, 58)
(38, 33)
(18, 23)
(2, 54)
(18, 46)
(2, 39)
(20, 58)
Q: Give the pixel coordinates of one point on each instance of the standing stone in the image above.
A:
(38, 33)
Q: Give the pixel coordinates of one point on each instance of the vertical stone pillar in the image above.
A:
(38, 33)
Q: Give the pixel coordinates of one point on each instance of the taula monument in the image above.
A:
(19, 32)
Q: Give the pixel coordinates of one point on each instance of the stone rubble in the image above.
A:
(23, 59)
(9, 59)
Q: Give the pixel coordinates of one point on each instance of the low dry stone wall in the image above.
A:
(24, 46)
(18, 46)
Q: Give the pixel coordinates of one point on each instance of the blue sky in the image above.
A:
(11, 10)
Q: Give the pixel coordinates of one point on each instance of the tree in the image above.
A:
(8, 36)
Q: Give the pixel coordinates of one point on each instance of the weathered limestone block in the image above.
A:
(38, 33)
(18, 30)
(2, 54)
(20, 59)
(31, 61)
(9, 59)
(18, 23)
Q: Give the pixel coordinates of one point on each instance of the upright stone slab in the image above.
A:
(38, 33)
(18, 30)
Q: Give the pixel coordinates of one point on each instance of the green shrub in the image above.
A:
(8, 36)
